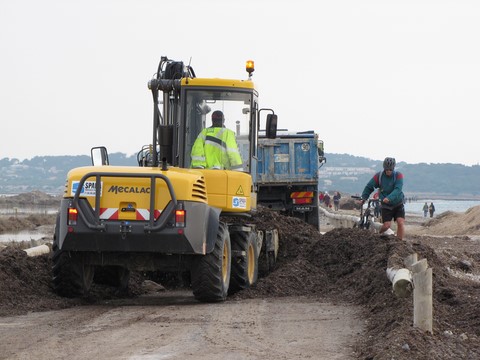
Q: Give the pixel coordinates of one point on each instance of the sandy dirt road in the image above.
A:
(287, 315)
(172, 325)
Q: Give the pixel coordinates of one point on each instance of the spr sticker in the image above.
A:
(239, 202)
(89, 188)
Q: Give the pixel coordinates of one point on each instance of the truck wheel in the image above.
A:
(245, 262)
(211, 272)
(71, 276)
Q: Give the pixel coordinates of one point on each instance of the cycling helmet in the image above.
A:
(389, 163)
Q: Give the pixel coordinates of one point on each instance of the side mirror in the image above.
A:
(271, 127)
(99, 156)
(321, 153)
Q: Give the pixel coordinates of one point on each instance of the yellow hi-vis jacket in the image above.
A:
(216, 148)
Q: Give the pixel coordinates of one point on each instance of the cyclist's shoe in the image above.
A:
(387, 233)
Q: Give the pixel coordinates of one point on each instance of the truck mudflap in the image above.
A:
(270, 250)
(91, 233)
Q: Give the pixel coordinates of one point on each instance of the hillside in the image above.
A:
(348, 173)
(342, 172)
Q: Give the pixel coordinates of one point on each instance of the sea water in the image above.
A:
(416, 207)
(412, 207)
(22, 236)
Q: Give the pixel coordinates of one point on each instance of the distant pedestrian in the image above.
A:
(390, 184)
(320, 197)
(425, 210)
(326, 200)
(336, 200)
(431, 208)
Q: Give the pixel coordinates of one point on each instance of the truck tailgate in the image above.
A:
(287, 160)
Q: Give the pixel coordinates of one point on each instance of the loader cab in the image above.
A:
(239, 109)
(183, 107)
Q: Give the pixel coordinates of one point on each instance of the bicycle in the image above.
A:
(367, 216)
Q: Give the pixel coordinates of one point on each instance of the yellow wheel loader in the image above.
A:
(165, 215)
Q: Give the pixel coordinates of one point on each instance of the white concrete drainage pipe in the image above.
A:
(37, 250)
(401, 280)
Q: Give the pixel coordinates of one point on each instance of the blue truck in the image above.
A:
(287, 174)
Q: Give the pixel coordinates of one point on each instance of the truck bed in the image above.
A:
(290, 158)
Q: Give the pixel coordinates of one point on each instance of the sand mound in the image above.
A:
(452, 223)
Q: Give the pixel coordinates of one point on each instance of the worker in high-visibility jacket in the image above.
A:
(216, 147)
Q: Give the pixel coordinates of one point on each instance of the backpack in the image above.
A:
(379, 177)
(379, 182)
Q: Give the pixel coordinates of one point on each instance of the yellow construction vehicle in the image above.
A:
(164, 215)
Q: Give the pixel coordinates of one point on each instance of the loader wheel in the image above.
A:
(116, 276)
(71, 276)
(211, 272)
(122, 279)
(245, 262)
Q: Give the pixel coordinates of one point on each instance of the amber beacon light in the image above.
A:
(250, 67)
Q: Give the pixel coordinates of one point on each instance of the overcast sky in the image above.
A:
(373, 78)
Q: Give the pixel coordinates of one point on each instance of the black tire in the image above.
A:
(245, 264)
(71, 276)
(361, 223)
(116, 276)
(211, 272)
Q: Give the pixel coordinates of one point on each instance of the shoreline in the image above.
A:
(420, 197)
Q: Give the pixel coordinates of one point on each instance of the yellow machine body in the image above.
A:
(128, 198)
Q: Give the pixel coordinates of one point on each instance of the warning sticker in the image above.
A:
(240, 191)
(89, 188)
(239, 202)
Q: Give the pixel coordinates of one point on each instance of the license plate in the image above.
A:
(302, 208)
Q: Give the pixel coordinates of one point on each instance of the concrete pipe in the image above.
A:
(340, 220)
(37, 250)
(401, 280)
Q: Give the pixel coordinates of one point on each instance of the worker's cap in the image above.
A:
(217, 117)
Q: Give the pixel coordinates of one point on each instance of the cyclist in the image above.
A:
(390, 185)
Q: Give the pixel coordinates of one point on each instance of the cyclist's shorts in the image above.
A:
(393, 213)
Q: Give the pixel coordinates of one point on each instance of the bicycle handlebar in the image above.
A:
(356, 197)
